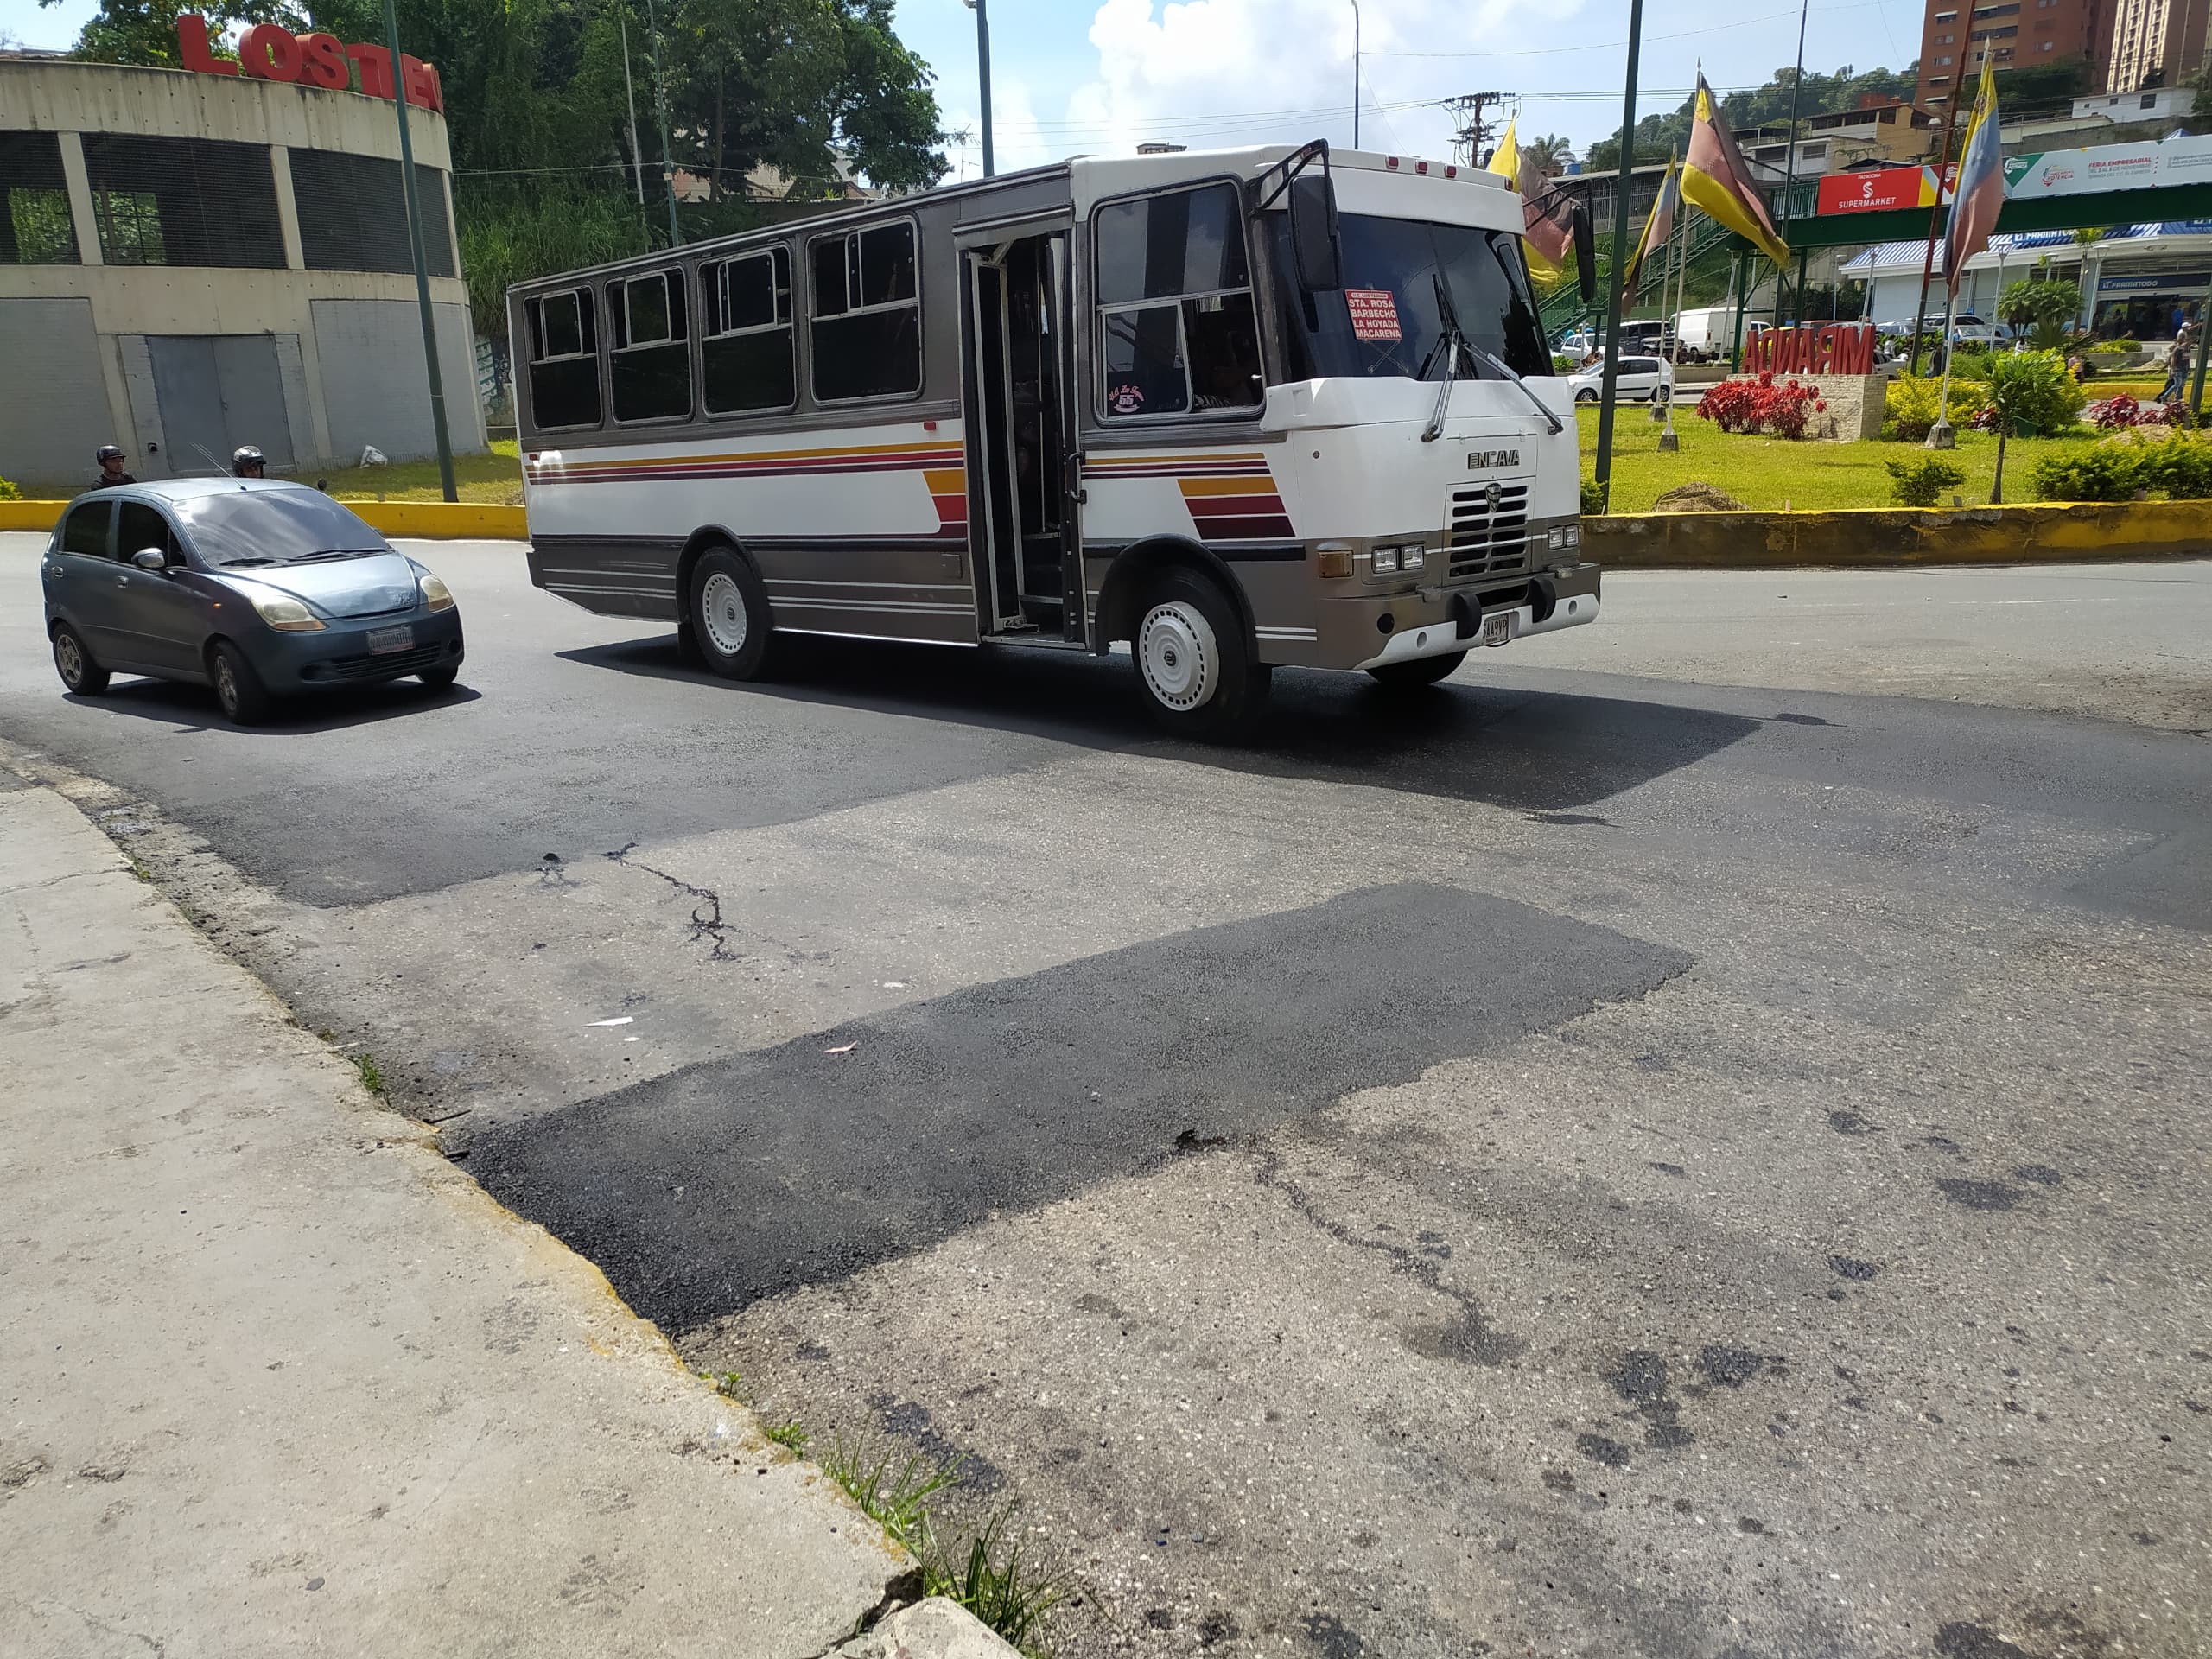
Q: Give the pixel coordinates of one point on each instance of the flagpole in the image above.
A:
(1935, 214)
(1940, 436)
(1670, 441)
(1604, 468)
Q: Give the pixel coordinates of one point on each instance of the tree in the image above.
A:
(2046, 309)
(537, 116)
(1823, 95)
(2028, 392)
(1551, 154)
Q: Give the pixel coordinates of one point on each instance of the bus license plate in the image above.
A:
(1498, 627)
(384, 641)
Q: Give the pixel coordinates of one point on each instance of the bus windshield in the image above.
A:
(1386, 321)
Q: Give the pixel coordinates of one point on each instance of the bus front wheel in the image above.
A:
(728, 614)
(1193, 659)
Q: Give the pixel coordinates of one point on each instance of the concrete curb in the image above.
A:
(1886, 537)
(322, 1357)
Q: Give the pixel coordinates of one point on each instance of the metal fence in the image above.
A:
(353, 216)
(36, 228)
(183, 202)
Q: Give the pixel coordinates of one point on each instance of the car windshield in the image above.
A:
(1386, 321)
(233, 527)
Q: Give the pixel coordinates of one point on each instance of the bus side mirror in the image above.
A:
(1586, 253)
(1313, 235)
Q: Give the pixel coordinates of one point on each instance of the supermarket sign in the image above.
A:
(1885, 191)
(2109, 166)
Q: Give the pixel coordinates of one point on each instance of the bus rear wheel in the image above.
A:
(728, 615)
(1193, 659)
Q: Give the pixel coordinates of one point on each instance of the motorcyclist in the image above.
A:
(110, 459)
(247, 462)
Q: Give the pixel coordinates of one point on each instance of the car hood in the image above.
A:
(369, 586)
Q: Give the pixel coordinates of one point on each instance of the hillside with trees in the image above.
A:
(1823, 95)
(538, 119)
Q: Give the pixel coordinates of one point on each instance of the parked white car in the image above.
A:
(1640, 377)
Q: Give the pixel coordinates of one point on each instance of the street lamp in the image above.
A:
(1355, 74)
(983, 76)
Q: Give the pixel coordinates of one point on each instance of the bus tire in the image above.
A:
(1422, 671)
(727, 612)
(1193, 660)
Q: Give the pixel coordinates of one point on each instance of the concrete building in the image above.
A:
(1877, 130)
(2138, 280)
(191, 262)
(1953, 34)
(2155, 43)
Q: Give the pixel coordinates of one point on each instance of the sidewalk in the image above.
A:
(275, 1378)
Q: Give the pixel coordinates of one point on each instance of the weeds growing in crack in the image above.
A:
(896, 1501)
(371, 1073)
(707, 922)
(792, 1437)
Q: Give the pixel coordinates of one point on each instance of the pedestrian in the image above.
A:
(246, 462)
(110, 459)
(2177, 361)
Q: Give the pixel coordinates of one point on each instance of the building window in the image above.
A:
(2149, 101)
(866, 323)
(2046, 46)
(36, 228)
(1947, 16)
(1174, 291)
(1941, 60)
(745, 308)
(649, 329)
(1814, 152)
(352, 212)
(563, 347)
(183, 202)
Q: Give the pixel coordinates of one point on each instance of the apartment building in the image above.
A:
(1956, 32)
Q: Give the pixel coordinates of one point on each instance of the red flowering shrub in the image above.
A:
(1759, 405)
(2112, 412)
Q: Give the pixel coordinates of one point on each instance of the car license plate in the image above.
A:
(1498, 627)
(384, 641)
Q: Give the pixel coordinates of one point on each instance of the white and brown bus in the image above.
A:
(1236, 410)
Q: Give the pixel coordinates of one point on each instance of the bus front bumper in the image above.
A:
(1433, 623)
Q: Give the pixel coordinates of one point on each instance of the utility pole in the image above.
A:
(1790, 172)
(1467, 134)
(983, 80)
(660, 100)
(630, 93)
(1604, 468)
(414, 207)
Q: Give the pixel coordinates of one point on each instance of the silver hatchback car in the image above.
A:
(261, 588)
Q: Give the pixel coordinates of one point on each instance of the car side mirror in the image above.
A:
(151, 558)
(1314, 239)
(1585, 253)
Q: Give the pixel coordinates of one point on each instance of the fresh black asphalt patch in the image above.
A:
(703, 1192)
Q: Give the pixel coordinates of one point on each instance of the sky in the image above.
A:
(1072, 77)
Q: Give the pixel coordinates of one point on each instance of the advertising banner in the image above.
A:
(1885, 191)
(2183, 160)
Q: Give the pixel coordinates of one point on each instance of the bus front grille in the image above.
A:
(1487, 534)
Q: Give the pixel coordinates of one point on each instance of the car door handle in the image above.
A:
(123, 581)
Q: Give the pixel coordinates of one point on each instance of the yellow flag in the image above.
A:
(1716, 178)
(1505, 159)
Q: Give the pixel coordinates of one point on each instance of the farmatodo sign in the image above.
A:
(270, 52)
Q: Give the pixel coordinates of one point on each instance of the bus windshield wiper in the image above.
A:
(1452, 343)
(1526, 390)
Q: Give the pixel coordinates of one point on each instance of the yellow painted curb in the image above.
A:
(438, 519)
(29, 515)
(444, 520)
(1875, 537)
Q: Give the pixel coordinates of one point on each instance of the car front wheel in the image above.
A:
(73, 659)
(239, 690)
(1586, 397)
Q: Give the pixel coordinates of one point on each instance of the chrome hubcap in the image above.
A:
(1178, 656)
(721, 603)
(226, 684)
(68, 658)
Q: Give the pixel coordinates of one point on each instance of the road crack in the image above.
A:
(1477, 1340)
(707, 923)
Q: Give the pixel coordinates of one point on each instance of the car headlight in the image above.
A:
(284, 614)
(436, 595)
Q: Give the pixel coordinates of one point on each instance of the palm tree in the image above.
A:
(1550, 153)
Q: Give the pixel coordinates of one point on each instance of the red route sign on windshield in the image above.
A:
(1374, 314)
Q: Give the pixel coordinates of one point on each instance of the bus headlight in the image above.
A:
(1399, 555)
(1386, 560)
(1560, 535)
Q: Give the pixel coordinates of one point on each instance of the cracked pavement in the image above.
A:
(1618, 1158)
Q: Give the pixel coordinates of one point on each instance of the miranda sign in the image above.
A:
(270, 52)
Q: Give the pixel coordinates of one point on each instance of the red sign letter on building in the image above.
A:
(269, 52)
(322, 63)
(376, 69)
(422, 83)
(192, 47)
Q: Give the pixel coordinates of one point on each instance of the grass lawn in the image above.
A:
(494, 479)
(1769, 473)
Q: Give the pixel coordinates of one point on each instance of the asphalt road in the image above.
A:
(1689, 1140)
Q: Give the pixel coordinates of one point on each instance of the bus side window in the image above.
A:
(866, 322)
(564, 359)
(646, 318)
(745, 306)
(1175, 306)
